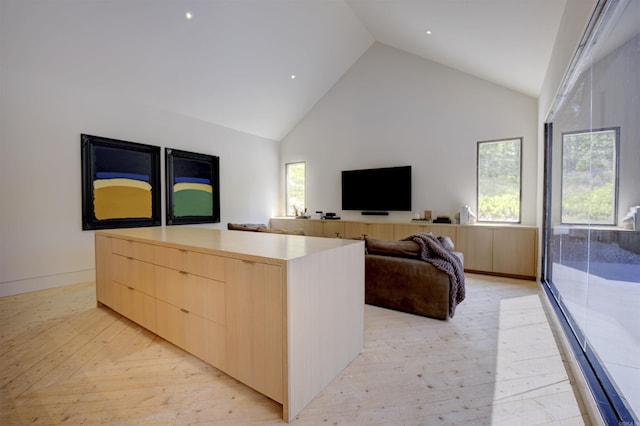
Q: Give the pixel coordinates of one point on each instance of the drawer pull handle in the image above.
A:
(250, 262)
(130, 288)
(183, 272)
(184, 310)
(129, 257)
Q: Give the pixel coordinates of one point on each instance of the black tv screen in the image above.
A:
(383, 189)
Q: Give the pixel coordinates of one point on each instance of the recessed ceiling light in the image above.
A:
(293, 76)
(188, 15)
(427, 32)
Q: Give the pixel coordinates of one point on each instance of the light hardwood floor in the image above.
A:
(65, 361)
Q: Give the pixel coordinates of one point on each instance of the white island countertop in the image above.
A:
(253, 245)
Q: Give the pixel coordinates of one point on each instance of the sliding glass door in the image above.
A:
(592, 213)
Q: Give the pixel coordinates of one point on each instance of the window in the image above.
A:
(499, 168)
(590, 272)
(295, 196)
(589, 177)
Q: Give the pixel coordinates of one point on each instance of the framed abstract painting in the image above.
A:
(192, 187)
(120, 183)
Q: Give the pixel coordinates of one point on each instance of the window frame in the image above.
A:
(616, 172)
(520, 141)
(289, 213)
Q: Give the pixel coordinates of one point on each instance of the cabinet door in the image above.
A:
(254, 325)
(193, 293)
(133, 249)
(355, 229)
(476, 243)
(402, 231)
(381, 231)
(133, 304)
(278, 223)
(515, 251)
(134, 273)
(333, 229)
(203, 264)
(313, 228)
(288, 225)
(191, 332)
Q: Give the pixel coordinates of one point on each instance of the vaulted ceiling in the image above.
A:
(232, 62)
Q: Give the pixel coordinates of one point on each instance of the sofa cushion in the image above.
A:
(407, 249)
(245, 226)
(447, 243)
(280, 231)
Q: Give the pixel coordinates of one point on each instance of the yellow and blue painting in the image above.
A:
(121, 186)
(120, 183)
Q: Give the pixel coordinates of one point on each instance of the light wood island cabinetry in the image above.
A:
(283, 314)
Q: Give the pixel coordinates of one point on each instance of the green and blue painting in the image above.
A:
(192, 188)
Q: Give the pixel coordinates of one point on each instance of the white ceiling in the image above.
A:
(231, 64)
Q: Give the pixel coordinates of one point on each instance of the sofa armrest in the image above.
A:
(407, 285)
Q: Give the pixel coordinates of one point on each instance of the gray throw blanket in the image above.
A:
(433, 251)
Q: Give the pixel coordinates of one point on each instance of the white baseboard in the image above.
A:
(27, 285)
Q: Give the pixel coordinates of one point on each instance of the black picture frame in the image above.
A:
(192, 187)
(121, 183)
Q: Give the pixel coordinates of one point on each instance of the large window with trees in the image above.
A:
(590, 177)
(499, 180)
(591, 210)
(295, 190)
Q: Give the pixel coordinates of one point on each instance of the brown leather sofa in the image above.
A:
(396, 278)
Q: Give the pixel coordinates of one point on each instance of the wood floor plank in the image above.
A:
(65, 360)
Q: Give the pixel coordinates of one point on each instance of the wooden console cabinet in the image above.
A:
(283, 314)
(508, 250)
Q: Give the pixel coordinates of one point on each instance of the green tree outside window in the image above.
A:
(295, 191)
(499, 177)
(589, 177)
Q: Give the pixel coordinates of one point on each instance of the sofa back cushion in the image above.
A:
(407, 249)
(245, 226)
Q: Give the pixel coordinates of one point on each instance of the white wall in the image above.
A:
(41, 119)
(392, 109)
(572, 26)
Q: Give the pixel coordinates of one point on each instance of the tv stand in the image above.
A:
(375, 213)
(507, 250)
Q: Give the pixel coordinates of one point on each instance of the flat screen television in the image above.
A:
(377, 190)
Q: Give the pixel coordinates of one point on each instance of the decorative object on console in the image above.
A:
(467, 216)
(442, 219)
(192, 187)
(632, 219)
(330, 216)
(301, 214)
(120, 183)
